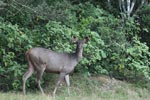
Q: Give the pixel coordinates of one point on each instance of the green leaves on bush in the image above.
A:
(113, 47)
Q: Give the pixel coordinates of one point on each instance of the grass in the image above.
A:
(83, 88)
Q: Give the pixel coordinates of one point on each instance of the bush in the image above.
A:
(13, 44)
(144, 18)
(113, 47)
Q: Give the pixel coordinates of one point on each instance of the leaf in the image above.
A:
(103, 54)
(146, 30)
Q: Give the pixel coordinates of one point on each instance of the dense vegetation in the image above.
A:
(118, 46)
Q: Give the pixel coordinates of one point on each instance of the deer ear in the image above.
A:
(74, 39)
(86, 39)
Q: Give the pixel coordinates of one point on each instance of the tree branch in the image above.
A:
(123, 5)
(141, 5)
(25, 6)
(128, 5)
(132, 5)
(120, 6)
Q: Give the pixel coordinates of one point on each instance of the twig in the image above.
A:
(25, 6)
(2, 75)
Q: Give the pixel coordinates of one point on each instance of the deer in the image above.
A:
(42, 60)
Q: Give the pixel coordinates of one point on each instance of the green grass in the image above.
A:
(83, 88)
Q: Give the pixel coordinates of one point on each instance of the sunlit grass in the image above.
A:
(83, 88)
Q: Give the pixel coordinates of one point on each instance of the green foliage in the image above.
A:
(139, 57)
(144, 18)
(12, 46)
(113, 47)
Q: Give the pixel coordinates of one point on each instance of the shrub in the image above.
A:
(113, 47)
(13, 44)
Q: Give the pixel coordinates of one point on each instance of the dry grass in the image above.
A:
(83, 88)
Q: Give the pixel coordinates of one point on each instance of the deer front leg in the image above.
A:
(68, 83)
(61, 77)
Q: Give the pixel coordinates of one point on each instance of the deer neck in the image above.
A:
(78, 53)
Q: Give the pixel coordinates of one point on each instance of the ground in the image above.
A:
(87, 88)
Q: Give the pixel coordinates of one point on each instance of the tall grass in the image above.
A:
(83, 88)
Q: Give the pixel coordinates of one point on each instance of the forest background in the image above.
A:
(118, 30)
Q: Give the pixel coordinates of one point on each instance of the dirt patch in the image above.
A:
(108, 83)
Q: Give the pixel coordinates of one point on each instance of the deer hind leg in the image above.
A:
(61, 77)
(68, 83)
(39, 75)
(28, 73)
